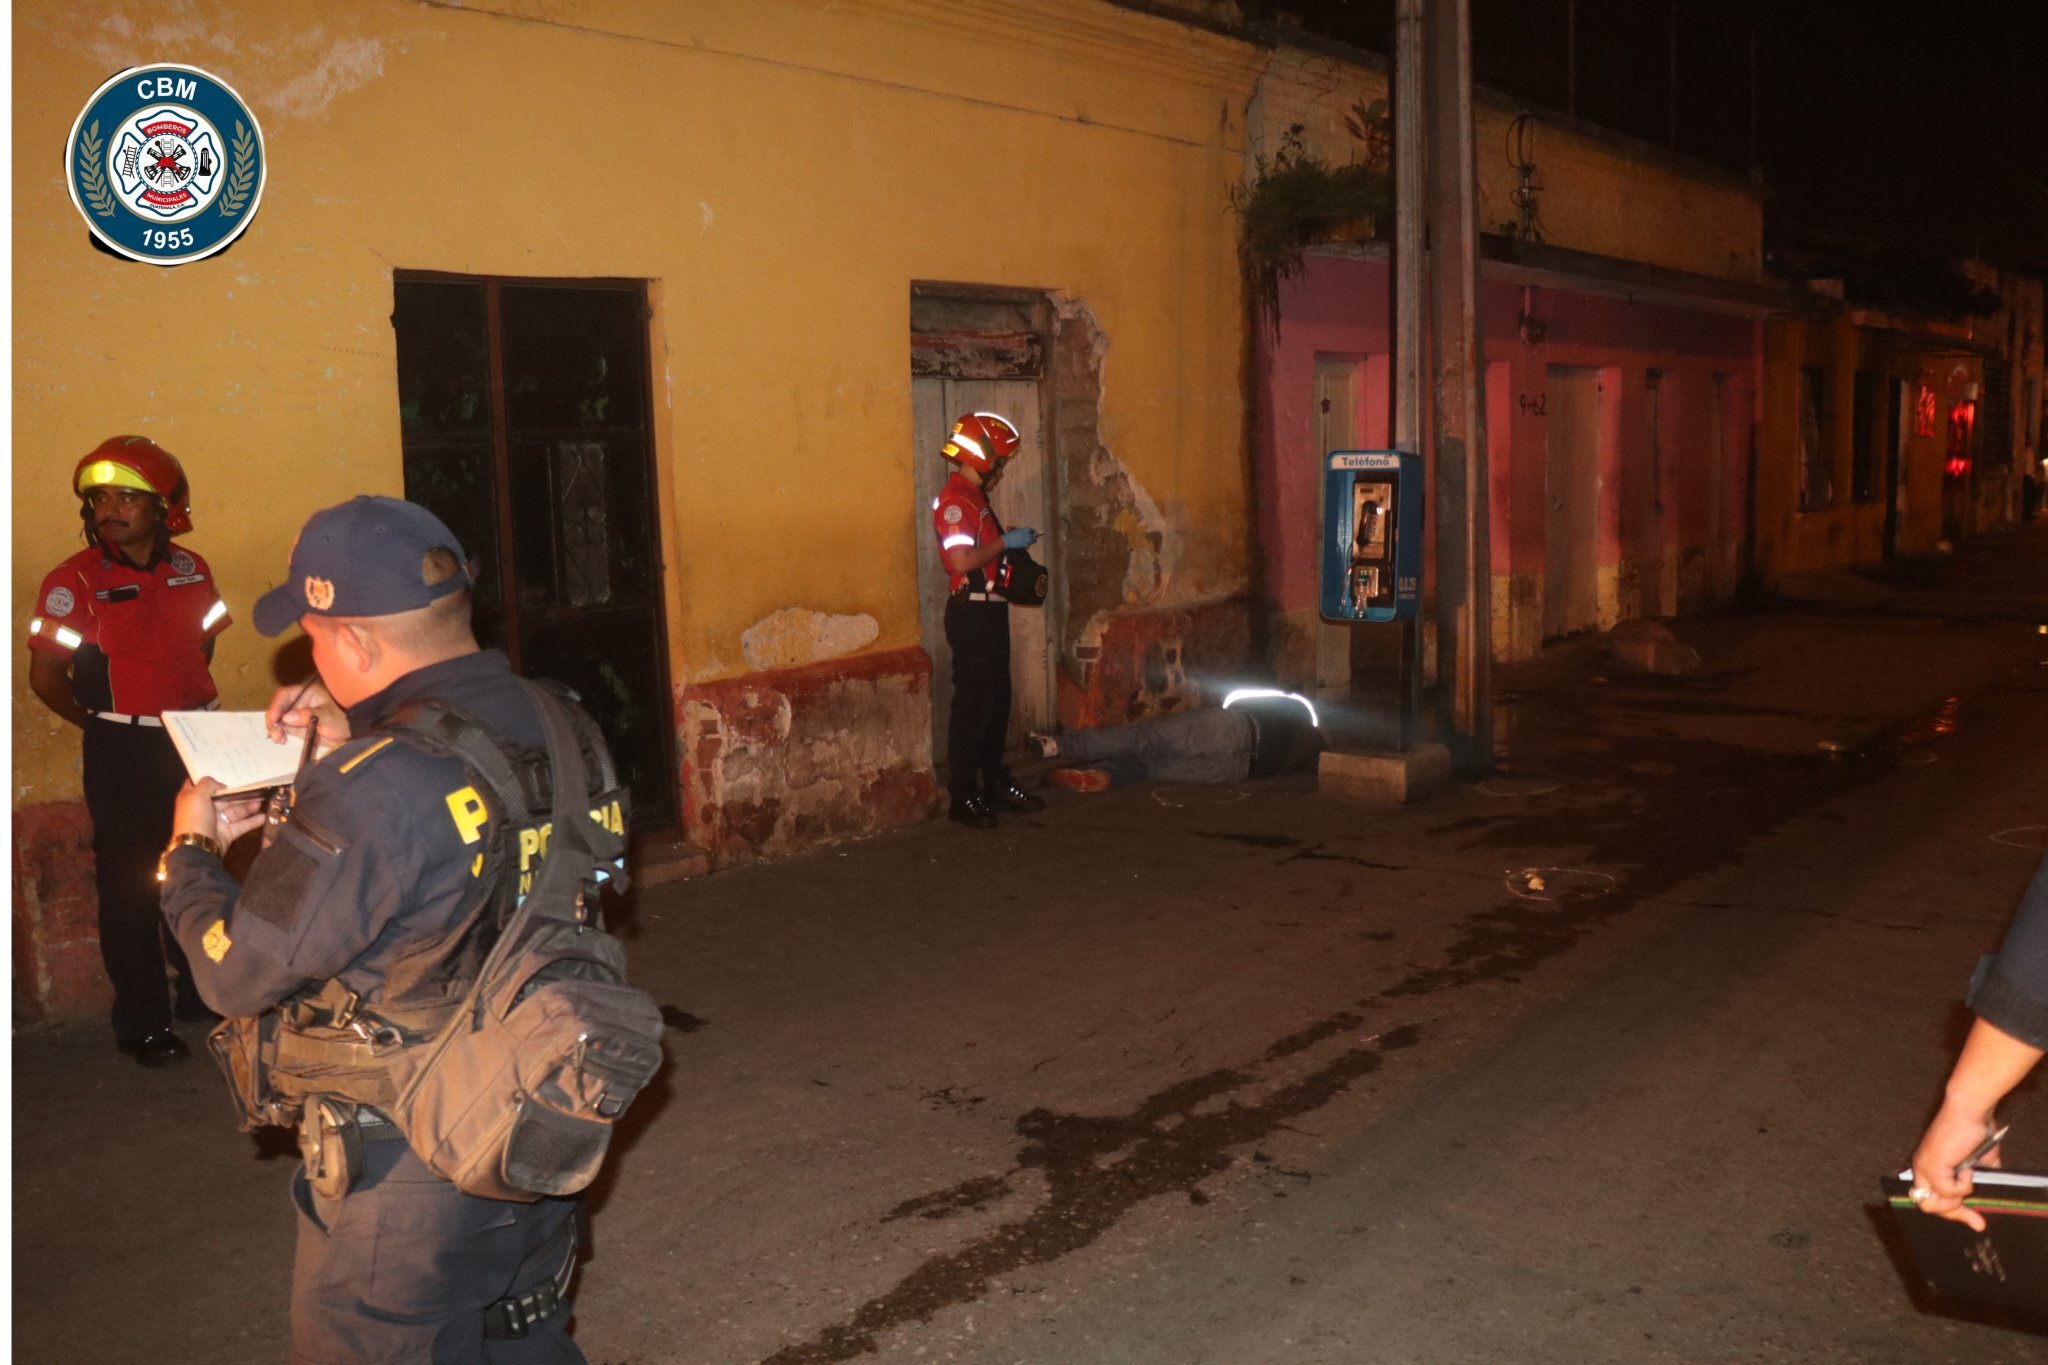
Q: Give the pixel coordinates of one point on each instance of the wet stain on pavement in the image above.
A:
(1316, 855)
(1641, 834)
(1096, 1170)
(1304, 1039)
(681, 1021)
(965, 1197)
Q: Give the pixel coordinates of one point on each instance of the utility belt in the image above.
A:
(969, 595)
(283, 1065)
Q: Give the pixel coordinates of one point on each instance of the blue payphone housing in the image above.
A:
(1372, 535)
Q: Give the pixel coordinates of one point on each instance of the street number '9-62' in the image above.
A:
(166, 239)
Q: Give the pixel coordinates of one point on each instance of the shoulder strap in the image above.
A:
(441, 728)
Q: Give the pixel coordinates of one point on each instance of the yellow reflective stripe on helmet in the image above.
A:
(966, 442)
(108, 474)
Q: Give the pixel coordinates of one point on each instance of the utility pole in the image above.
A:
(1409, 212)
(1464, 616)
(1571, 57)
(1673, 83)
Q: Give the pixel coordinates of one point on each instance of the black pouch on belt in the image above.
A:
(331, 1145)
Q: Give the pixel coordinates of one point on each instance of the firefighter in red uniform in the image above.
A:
(978, 621)
(123, 631)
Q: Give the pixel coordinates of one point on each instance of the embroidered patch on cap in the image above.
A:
(319, 593)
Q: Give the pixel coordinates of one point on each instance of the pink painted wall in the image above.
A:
(1344, 307)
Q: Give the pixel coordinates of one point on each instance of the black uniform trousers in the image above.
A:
(132, 776)
(400, 1269)
(978, 633)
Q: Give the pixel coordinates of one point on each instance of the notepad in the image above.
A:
(2007, 1263)
(234, 748)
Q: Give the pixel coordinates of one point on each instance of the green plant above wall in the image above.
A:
(1297, 200)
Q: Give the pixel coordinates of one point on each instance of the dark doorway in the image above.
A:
(1894, 465)
(524, 410)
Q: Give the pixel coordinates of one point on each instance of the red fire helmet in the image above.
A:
(138, 462)
(981, 441)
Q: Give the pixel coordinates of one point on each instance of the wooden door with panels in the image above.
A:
(1571, 529)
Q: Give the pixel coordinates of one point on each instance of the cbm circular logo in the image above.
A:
(166, 164)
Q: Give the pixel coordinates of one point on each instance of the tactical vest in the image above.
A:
(325, 1043)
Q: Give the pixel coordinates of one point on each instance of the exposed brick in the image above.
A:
(809, 755)
(56, 909)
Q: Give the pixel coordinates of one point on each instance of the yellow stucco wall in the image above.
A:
(1846, 533)
(1608, 195)
(780, 170)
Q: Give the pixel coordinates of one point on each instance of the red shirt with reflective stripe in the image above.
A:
(963, 521)
(152, 625)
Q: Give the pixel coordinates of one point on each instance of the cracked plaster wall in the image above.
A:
(779, 761)
(1131, 649)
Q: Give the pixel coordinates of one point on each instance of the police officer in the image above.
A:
(978, 621)
(123, 632)
(370, 893)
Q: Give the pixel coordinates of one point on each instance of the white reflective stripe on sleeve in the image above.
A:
(952, 541)
(214, 613)
(35, 625)
(69, 638)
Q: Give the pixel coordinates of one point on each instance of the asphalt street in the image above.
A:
(1599, 1059)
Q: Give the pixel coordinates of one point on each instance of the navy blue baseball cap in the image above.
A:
(361, 558)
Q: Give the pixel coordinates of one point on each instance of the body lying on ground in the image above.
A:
(1257, 732)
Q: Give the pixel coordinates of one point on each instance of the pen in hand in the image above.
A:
(313, 730)
(1992, 1139)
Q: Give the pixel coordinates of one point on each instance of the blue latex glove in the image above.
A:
(1019, 538)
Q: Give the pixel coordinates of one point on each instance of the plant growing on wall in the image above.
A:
(1298, 199)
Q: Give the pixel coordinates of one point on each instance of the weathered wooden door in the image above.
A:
(523, 407)
(1022, 497)
(1571, 526)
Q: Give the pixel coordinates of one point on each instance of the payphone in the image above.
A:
(1372, 535)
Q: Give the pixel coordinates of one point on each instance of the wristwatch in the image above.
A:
(205, 843)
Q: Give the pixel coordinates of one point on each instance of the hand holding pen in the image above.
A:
(1939, 1187)
(307, 711)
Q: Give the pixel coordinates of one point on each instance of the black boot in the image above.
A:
(159, 1047)
(973, 812)
(1012, 797)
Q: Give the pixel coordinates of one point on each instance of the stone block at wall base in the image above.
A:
(1385, 777)
(57, 971)
(1135, 665)
(787, 759)
(1650, 647)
